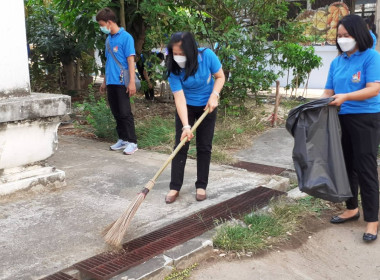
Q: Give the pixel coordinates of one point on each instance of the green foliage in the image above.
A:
(248, 36)
(45, 32)
(88, 65)
(77, 17)
(61, 32)
(99, 116)
(301, 60)
(245, 34)
(48, 41)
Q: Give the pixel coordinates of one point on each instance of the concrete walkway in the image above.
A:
(45, 231)
(274, 148)
(334, 253)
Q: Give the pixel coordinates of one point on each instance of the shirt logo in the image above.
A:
(209, 79)
(115, 49)
(356, 77)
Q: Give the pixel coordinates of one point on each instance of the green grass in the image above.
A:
(235, 133)
(220, 156)
(253, 237)
(313, 204)
(267, 228)
(232, 132)
(181, 274)
(157, 132)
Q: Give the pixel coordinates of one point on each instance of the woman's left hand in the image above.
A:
(187, 133)
(212, 102)
(338, 99)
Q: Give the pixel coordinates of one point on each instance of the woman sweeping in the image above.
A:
(196, 79)
(354, 82)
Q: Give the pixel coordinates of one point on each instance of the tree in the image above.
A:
(246, 35)
(301, 61)
(61, 31)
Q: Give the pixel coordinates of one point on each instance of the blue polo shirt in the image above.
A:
(123, 46)
(348, 74)
(374, 39)
(198, 88)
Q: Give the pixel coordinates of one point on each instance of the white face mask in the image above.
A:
(105, 30)
(180, 59)
(346, 44)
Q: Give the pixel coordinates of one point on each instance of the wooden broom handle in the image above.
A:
(180, 145)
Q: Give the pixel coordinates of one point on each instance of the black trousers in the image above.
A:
(204, 136)
(120, 106)
(360, 142)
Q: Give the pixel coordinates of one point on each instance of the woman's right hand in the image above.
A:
(187, 132)
(338, 99)
(212, 102)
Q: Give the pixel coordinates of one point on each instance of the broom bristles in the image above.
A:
(115, 232)
(106, 229)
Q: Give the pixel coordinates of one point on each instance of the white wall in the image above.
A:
(318, 77)
(41, 138)
(14, 72)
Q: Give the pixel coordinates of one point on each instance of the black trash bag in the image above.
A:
(317, 153)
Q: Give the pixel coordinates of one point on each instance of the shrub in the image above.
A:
(99, 116)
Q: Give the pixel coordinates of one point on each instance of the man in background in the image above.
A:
(120, 63)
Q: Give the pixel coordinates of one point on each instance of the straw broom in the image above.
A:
(115, 232)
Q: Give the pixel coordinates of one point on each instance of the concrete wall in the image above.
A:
(28, 121)
(26, 142)
(14, 72)
(28, 127)
(318, 77)
(34, 106)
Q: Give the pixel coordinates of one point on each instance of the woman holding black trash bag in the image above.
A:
(196, 78)
(354, 83)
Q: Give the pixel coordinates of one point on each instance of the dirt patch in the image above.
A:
(29, 193)
(309, 226)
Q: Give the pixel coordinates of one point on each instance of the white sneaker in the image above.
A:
(120, 144)
(130, 148)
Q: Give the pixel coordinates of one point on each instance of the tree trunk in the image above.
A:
(68, 70)
(122, 14)
(140, 40)
(77, 75)
(307, 84)
(287, 83)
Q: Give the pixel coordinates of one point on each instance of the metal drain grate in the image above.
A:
(106, 265)
(259, 168)
(59, 276)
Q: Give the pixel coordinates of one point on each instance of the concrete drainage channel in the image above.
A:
(179, 245)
